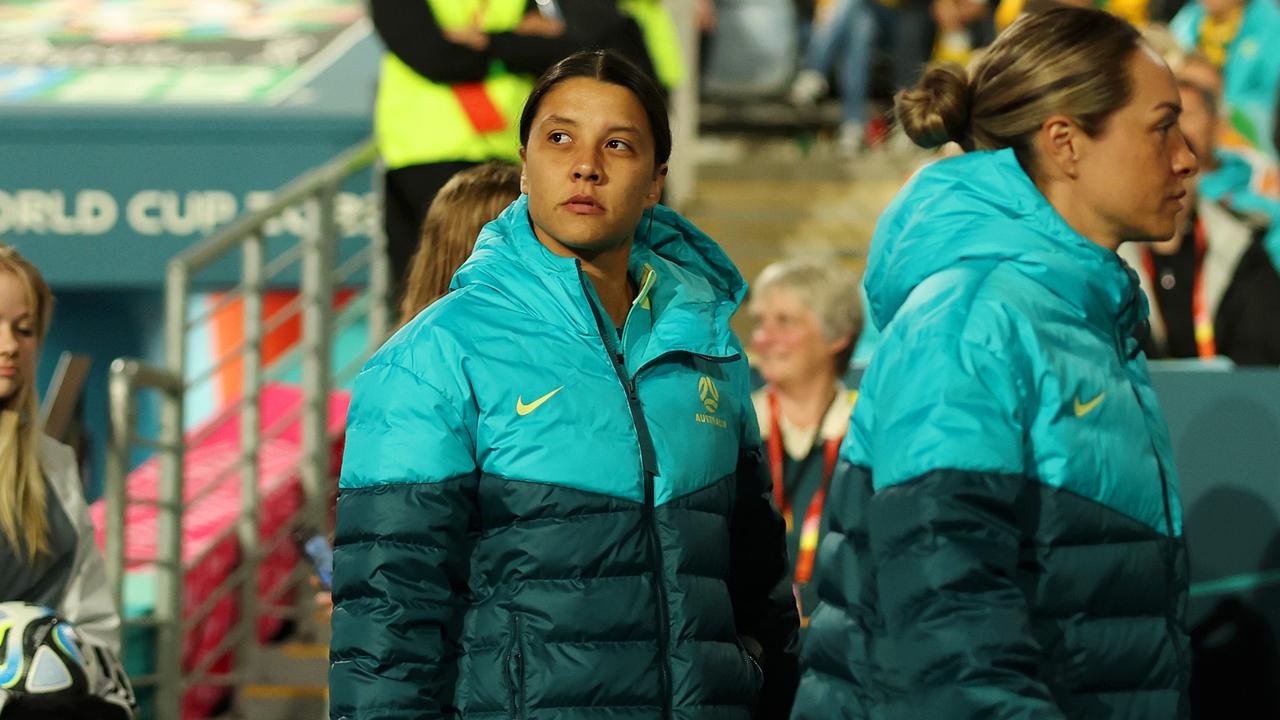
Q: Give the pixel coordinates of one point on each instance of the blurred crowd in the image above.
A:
(1212, 288)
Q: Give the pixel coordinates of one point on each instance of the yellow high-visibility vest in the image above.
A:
(417, 121)
(660, 38)
(1135, 11)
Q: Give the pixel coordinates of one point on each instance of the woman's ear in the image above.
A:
(1061, 143)
(524, 177)
(655, 188)
(835, 347)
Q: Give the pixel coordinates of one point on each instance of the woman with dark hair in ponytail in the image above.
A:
(552, 501)
(1007, 541)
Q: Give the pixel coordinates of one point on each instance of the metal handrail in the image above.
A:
(315, 253)
(125, 378)
(208, 251)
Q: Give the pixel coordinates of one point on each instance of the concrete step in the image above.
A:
(290, 682)
(293, 664)
(283, 702)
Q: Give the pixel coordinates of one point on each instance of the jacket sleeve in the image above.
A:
(947, 469)
(411, 33)
(764, 604)
(406, 508)
(588, 24)
(838, 667)
(87, 601)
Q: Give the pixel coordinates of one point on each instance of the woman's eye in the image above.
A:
(618, 145)
(558, 138)
(24, 331)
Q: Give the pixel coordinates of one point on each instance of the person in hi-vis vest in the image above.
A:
(455, 77)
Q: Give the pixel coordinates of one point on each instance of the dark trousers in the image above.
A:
(408, 193)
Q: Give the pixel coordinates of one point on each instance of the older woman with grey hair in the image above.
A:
(807, 318)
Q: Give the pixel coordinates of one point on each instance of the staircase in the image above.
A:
(290, 680)
(768, 198)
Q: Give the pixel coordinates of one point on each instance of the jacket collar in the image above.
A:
(983, 207)
(695, 291)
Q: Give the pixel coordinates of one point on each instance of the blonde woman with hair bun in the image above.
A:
(47, 551)
(1005, 532)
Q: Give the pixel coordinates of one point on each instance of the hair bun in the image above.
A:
(937, 110)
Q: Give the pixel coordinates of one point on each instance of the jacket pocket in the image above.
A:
(755, 672)
(515, 667)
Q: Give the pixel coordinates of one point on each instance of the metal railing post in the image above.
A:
(682, 173)
(170, 569)
(121, 419)
(317, 250)
(380, 311)
(247, 527)
(317, 318)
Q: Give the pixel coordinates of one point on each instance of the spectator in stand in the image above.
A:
(1211, 287)
(1135, 11)
(845, 35)
(452, 84)
(1239, 174)
(1242, 39)
(806, 319)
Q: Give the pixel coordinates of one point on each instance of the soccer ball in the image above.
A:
(47, 670)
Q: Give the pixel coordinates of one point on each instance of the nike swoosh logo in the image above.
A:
(1083, 409)
(522, 409)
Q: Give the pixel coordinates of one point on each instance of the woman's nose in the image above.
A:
(1185, 163)
(587, 168)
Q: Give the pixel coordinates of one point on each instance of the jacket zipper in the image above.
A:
(515, 669)
(1171, 553)
(648, 457)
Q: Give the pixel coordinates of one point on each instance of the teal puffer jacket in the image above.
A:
(1007, 538)
(539, 520)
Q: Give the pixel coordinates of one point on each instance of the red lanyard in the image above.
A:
(1206, 344)
(813, 515)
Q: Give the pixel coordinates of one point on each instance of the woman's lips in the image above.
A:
(583, 205)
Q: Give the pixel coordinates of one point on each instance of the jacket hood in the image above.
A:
(982, 207)
(695, 292)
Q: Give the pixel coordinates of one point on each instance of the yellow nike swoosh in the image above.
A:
(1083, 409)
(522, 409)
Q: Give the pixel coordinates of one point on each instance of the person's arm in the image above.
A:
(406, 506)
(764, 605)
(534, 47)
(948, 472)
(410, 31)
(87, 601)
(954, 15)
